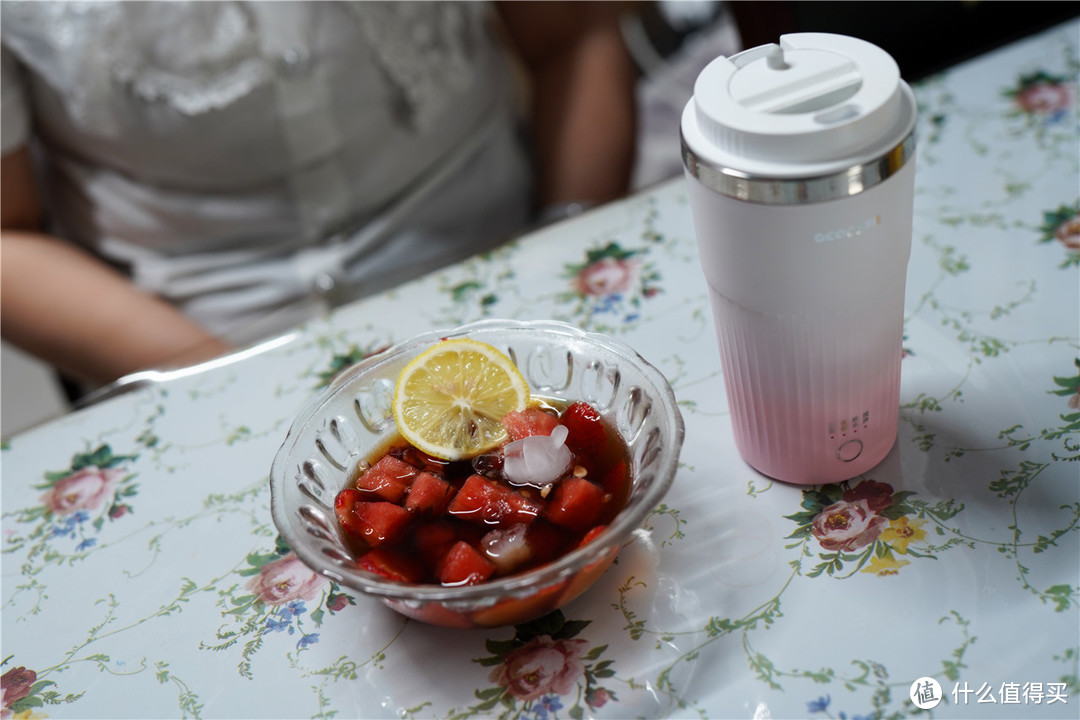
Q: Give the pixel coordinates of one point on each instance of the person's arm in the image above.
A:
(583, 105)
(73, 311)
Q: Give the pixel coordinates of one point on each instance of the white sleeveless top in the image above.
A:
(250, 160)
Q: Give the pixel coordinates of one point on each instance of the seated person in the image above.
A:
(213, 173)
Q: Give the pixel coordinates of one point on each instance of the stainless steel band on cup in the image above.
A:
(799, 191)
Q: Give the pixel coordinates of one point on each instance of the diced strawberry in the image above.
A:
(485, 501)
(576, 503)
(585, 431)
(388, 479)
(528, 422)
(464, 565)
(379, 522)
(391, 564)
(429, 494)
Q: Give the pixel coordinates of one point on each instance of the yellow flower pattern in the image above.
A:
(903, 530)
(887, 565)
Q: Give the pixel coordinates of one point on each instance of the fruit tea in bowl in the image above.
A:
(481, 476)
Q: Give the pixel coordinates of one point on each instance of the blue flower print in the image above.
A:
(293, 609)
(71, 522)
(548, 704)
(819, 705)
(273, 625)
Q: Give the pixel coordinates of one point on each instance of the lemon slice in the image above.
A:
(450, 399)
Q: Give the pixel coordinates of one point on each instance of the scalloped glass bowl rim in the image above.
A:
(520, 585)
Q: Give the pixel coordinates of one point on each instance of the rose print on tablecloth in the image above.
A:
(16, 684)
(284, 580)
(86, 489)
(1042, 108)
(18, 697)
(1044, 95)
(847, 526)
(280, 587)
(76, 503)
(609, 275)
(541, 670)
(544, 666)
(1068, 233)
(609, 287)
(1062, 225)
(868, 524)
(23, 693)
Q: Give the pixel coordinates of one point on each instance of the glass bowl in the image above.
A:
(334, 436)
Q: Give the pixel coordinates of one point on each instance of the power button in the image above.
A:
(849, 450)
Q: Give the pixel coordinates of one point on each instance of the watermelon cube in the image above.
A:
(388, 479)
(433, 540)
(530, 421)
(481, 500)
(391, 564)
(586, 433)
(422, 461)
(548, 542)
(464, 565)
(344, 508)
(615, 477)
(576, 504)
(592, 535)
(429, 495)
(379, 522)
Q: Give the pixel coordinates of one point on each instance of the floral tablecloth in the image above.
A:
(143, 577)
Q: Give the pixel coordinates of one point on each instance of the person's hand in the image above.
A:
(64, 306)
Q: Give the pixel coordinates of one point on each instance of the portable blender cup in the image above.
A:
(799, 162)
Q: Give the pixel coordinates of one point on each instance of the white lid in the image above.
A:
(815, 104)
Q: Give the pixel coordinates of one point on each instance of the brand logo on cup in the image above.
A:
(848, 232)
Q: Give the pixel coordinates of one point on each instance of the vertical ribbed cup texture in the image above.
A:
(813, 399)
